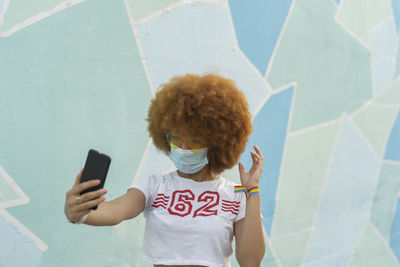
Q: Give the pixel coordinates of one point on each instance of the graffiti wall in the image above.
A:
(322, 78)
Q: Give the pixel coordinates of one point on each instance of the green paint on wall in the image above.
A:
(269, 259)
(314, 52)
(397, 72)
(360, 16)
(232, 174)
(71, 82)
(304, 170)
(385, 199)
(373, 251)
(20, 10)
(130, 235)
(376, 123)
(7, 193)
(391, 95)
(143, 8)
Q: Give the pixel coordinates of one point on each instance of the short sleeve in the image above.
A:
(242, 207)
(146, 185)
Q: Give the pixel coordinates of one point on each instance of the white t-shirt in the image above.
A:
(189, 222)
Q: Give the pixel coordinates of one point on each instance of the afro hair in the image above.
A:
(210, 107)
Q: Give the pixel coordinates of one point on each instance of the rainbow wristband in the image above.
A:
(249, 192)
(239, 189)
(253, 191)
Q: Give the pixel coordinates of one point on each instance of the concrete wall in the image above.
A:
(322, 78)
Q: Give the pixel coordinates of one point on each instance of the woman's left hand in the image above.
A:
(252, 178)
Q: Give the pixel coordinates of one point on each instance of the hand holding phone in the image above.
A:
(96, 168)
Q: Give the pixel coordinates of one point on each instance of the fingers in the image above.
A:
(258, 161)
(80, 187)
(73, 194)
(258, 150)
(257, 156)
(73, 190)
(253, 157)
(78, 206)
(252, 177)
(241, 168)
(93, 195)
(242, 173)
(78, 177)
(77, 189)
(75, 200)
(85, 206)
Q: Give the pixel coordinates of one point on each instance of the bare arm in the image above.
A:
(111, 212)
(115, 211)
(250, 244)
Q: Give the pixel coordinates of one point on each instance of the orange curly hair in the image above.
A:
(209, 107)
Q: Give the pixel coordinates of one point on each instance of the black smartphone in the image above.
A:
(96, 167)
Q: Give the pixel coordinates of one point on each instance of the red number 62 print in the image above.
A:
(181, 204)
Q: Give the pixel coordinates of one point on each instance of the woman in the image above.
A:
(202, 123)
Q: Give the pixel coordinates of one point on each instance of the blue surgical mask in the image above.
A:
(188, 161)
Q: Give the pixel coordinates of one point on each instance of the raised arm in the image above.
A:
(250, 245)
(111, 212)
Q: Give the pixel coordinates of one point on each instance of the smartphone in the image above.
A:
(96, 167)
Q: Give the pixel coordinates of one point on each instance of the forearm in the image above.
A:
(252, 245)
(104, 215)
(113, 212)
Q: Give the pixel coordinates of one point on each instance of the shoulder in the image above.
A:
(158, 179)
(146, 182)
(229, 187)
(228, 183)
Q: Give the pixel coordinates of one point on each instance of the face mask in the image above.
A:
(188, 161)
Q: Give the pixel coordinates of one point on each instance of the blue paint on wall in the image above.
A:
(396, 13)
(270, 129)
(393, 145)
(347, 198)
(198, 38)
(394, 241)
(258, 24)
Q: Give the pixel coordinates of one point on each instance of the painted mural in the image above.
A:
(322, 78)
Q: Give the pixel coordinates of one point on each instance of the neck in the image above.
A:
(203, 175)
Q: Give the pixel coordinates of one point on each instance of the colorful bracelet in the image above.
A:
(253, 191)
(249, 192)
(239, 188)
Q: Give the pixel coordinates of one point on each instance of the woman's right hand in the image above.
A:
(77, 205)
